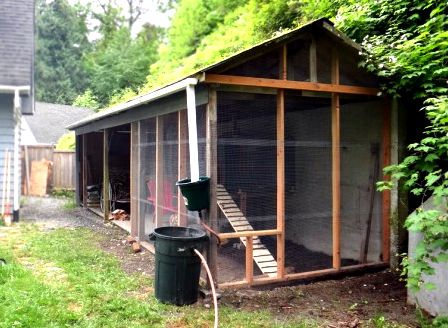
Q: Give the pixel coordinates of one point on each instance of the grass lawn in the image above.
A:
(61, 278)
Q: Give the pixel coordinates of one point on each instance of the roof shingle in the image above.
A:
(16, 42)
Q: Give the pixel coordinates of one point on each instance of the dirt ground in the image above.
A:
(346, 302)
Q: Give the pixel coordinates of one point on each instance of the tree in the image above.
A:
(110, 20)
(60, 47)
(123, 63)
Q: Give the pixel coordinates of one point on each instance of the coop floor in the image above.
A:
(231, 260)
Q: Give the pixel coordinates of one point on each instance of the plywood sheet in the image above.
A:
(39, 181)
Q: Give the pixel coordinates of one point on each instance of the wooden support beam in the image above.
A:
(249, 260)
(305, 275)
(182, 164)
(289, 85)
(252, 233)
(280, 126)
(159, 172)
(212, 173)
(78, 169)
(106, 182)
(336, 163)
(135, 181)
(386, 200)
(313, 60)
(84, 171)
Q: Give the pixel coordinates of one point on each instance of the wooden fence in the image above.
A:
(63, 172)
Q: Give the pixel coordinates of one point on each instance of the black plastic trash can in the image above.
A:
(178, 268)
(196, 194)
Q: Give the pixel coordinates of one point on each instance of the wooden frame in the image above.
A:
(84, 171)
(182, 133)
(336, 163)
(272, 86)
(280, 126)
(303, 275)
(106, 200)
(159, 171)
(288, 85)
(135, 180)
(212, 173)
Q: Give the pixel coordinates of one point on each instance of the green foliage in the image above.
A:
(424, 321)
(62, 193)
(72, 69)
(406, 44)
(195, 19)
(72, 283)
(215, 30)
(88, 100)
(66, 142)
(60, 47)
(121, 62)
(380, 321)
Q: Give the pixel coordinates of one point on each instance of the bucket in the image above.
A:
(178, 268)
(196, 194)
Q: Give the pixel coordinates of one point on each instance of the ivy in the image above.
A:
(406, 44)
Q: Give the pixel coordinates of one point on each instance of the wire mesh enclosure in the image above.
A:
(247, 189)
(308, 202)
(147, 150)
(293, 138)
(164, 159)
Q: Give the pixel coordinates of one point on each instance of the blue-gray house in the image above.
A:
(16, 94)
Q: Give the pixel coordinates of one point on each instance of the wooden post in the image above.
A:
(159, 171)
(212, 173)
(386, 204)
(106, 182)
(280, 126)
(336, 163)
(182, 164)
(249, 260)
(135, 180)
(84, 170)
(313, 60)
(27, 170)
(78, 169)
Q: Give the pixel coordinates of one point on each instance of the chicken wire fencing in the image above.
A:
(163, 160)
(247, 185)
(246, 142)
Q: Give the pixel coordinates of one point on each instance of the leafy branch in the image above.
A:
(406, 44)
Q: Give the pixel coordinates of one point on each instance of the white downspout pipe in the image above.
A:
(16, 177)
(192, 132)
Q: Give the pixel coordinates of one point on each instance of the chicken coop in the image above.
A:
(293, 134)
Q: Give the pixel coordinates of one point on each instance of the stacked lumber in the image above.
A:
(119, 215)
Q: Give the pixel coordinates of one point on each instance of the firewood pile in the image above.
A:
(119, 215)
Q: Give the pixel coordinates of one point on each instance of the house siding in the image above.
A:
(8, 119)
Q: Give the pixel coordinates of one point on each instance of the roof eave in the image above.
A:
(146, 98)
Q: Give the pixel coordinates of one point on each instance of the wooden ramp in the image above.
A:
(262, 256)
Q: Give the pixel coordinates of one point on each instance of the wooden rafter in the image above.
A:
(288, 85)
